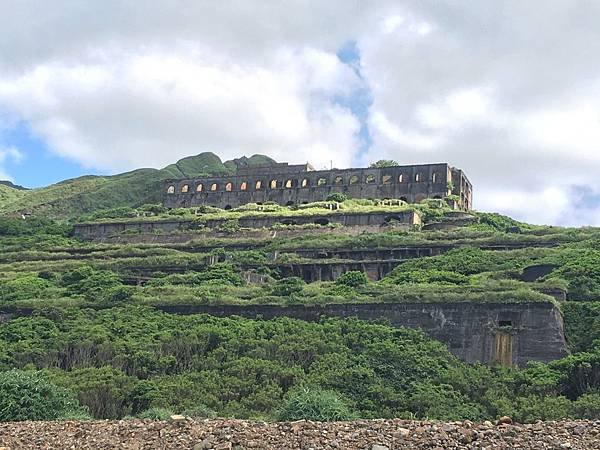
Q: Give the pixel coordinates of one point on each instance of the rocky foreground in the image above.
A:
(181, 433)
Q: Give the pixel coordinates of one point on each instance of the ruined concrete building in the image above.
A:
(296, 184)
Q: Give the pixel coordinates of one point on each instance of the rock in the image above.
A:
(403, 432)
(380, 447)
(579, 430)
(487, 424)
(566, 445)
(505, 420)
(297, 425)
(178, 418)
(205, 444)
(224, 446)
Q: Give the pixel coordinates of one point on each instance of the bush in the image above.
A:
(29, 396)
(200, 412)
(156, 414)
(427, 276)
(314, 404)
(337, 197)
(88, 281)
(354, 278)
(288, 286)
(588, 406)
(24, 287)
(384, 163)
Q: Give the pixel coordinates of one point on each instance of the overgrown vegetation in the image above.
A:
(94, 343)
(136, 361)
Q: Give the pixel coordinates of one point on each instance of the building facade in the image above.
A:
(296, 184)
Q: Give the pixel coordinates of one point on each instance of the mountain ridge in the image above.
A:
(73, 197)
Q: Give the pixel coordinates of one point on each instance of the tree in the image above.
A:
(384, 163)
(29, 396)
(337, 197)
(353, 278)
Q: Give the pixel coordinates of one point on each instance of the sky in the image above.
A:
(509, 91)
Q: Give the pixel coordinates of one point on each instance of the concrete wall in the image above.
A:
(289, 185)
(92, 231)
(474, 332)
(470, 330)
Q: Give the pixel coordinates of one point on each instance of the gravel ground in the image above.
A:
(182, 434)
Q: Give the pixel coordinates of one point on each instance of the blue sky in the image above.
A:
(38, 166)
(507, 90)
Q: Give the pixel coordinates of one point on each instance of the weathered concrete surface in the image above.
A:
(93, 231)
(287, 185)
(470, 330)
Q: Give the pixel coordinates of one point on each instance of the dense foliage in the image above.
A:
(127, 361)
(29, 396)
(94, 339)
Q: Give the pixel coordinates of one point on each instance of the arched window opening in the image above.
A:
(185, 188)
(305, 182)
(404, 199)
(227, 207)
(214, 187)
(418, 177)
(200, 188)
(258, 186)
(338, 180)
(290, 184)
(171, 190)
(401, 178)
(244, 186)
(370, 178)
(354, 179)
(229, 187)
(387, 179)
(436, 178)
(273, 184)
(322, 182)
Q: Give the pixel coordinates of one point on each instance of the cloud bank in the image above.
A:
(507, 90)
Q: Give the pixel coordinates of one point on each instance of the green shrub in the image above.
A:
(427, 276)
(156, 414)
(91, 282)
(200, 412)
(288, 286)
(353, 278)
(588, 406)
(314, 404)
(532, 408)
(384, 163)
(222, 272)
(29, 396)
(337, 197)
(24, 287)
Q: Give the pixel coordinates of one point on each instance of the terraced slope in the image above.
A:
(204, 320)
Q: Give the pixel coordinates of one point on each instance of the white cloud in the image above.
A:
(8, 153)
(507, 90)
(153, 108)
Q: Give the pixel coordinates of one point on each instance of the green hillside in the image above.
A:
(87, 194)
